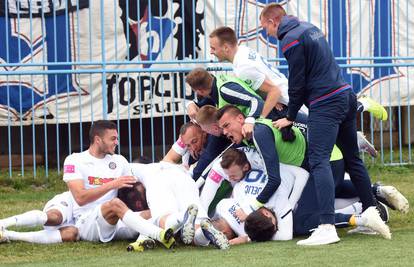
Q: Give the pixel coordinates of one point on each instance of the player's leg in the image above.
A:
(115, 209)
(347, 142)
(322, 132)
(29, 219)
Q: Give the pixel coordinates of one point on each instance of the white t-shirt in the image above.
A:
(94, 172)
(245, 191)
(251, 67)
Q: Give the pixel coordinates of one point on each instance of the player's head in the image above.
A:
(271, 17)
(206, 118)
(223, 42)
(261, 225)
(200, 81)
(235, 164)
(231, 120)
(193, 138)
(103, 136)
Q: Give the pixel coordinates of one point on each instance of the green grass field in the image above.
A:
(22, 194)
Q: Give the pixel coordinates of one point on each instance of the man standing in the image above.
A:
(315, 80)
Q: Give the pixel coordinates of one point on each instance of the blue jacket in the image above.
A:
(314, 74)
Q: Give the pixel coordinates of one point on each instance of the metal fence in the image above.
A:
(66, 63)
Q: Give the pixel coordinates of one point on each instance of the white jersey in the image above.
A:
(245, 191)
(169, 188)
(216, 175)
(94, 172)
(251, 67)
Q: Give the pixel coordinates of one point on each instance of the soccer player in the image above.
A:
(315, 80)
(93, 178)
(174, 202)
(195, 146)
(255, 71)
(56, 219)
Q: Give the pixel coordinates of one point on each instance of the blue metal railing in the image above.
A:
(64, 73)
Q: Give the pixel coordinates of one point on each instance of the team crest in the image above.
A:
(112, 165)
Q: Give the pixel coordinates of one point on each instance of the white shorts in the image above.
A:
(63, 203)
(93, 227)
(173, 190)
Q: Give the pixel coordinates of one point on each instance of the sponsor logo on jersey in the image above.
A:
(215, 176)
(112, 165)
(99, 181)
(69, 169)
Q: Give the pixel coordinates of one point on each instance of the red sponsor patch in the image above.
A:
(180, 143)
(215, 176)
(69, 169)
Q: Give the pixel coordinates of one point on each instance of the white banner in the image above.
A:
(361, 33)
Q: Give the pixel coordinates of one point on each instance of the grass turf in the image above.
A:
(22, 194)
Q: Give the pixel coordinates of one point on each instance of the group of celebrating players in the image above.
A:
(256, 162)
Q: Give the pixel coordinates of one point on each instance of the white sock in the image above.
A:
(142, 226)
(30, 218)
(200, 239)
(175, 221)
(341, 203)
(355, 208)
(39, 237)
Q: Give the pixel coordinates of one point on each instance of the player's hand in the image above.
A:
(279, 106)
(241, 215)
(247, 130)
(192, 110)
(123, 181)
(281, 123)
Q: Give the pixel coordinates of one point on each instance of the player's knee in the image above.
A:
(69, 234)
(54, 217)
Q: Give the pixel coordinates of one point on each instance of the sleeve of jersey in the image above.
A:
(212, 183)
(179, 147)
(284, 226)
(297, 81)
(214, 147)
(251, 76)
(265, 144)
(235, 94)
(126, 170)
(71, 169)
(301, 178)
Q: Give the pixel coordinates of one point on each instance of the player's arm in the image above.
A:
(239, 240)
(273, 94)
(212, 184)
(235, 94)
(284, 226)
(297, 79)
(176, 152)
(265, 143)
(84, 196)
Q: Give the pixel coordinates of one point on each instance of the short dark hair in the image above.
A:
(273, 11)
(199, 78)
(188, 125)
(233, 155)
(225, 35)
(99, 127)
(259, 227)
(228, 108)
